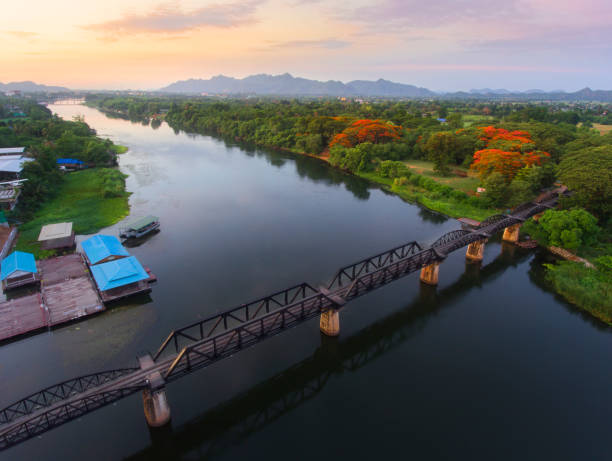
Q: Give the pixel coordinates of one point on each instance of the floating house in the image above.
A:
(140, 227)
(11, 166)
(18, 269)
(53, 236)
(12, 151)
(101, 249)
(120, 278)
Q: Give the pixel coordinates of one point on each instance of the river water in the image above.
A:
(490, 365)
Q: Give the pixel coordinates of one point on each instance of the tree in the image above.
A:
(455, 120)
(588, 174)
(569, 229)
(366, 130)
(440, 148)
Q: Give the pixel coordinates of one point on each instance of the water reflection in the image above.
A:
(230, 423)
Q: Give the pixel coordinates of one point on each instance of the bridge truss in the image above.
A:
(202, 343)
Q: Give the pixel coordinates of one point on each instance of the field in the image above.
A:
(603, 129)
(467, 184)
(83, 200)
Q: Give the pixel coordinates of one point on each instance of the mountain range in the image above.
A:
(31, 87)
(287, 85)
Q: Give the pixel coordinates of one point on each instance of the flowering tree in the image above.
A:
(366, 130)
(506, 153)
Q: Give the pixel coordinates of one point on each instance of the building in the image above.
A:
(18, 269)
(11, 166)
(70, 163)
(100, 249)
(120, 278)
(12, 151)
(53, 236)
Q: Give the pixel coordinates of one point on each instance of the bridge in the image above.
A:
(222, 335)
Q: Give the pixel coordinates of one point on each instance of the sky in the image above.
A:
(443, 45)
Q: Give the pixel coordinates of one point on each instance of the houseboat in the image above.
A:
(18, 269)
(140, 227)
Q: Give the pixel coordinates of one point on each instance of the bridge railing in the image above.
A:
(350, 273)
(231, 318)
(58, 392)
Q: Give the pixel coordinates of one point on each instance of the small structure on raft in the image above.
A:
(140, 227)
(120, 278)
(18, 269)
(56, 236)
(101, 249)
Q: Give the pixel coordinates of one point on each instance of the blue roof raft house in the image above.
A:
(18, 269)
(120, 278)
(101, 249)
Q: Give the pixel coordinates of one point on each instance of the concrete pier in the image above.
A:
(330, 322)
(154, 400)
(475, 250)
(511, 233)
(429, 274)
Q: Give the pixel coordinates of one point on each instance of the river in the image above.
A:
(490, 365)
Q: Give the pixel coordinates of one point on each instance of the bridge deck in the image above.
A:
(222, 335)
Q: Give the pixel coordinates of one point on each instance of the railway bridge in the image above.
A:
(222, 335)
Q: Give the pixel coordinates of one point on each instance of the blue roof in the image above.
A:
(18, 261)
(69, 161)
(118, 273)
(100, 247)
(441, 120)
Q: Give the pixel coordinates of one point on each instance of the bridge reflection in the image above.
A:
(231, 422)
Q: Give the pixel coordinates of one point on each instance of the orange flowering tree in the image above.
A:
(506, 152)
(366, 130)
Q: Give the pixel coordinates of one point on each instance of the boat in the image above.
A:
(139, 227)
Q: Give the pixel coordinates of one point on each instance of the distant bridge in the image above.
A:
(219, 336)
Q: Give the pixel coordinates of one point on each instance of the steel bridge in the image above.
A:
(219, 336)
(231, 422)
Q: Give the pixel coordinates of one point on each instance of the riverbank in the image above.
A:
(91, 199)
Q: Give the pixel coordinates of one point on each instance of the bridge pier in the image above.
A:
(511, 233)
(330, 322)
(154, 400)
(429, 274)
(475, 250)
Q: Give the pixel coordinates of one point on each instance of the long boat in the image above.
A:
(139, 227)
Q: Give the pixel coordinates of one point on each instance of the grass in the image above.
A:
(119, 149)
(603, 129)
(467, 184)
(589, 289)
(477, 120)
(446, 205)
(80, 200)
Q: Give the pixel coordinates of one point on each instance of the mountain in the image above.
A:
(286, 84)
(490, 91)
(31, 87)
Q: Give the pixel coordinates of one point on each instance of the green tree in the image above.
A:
(440, 148)
(569, 229)
(588, 174)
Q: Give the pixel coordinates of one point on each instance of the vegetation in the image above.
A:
(90, 199)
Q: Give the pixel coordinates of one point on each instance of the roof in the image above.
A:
(118, 273)
(142, 222)
(55, 231)
(100, 247)
(12, 150)
(69, 161)
(18, 261)
(13, 163)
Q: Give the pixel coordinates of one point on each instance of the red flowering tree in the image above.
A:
(366, 130)
(506, 153)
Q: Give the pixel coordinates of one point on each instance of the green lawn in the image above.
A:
(467, 184)
(80, 200)
(477, 120)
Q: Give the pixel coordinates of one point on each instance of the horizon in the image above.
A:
(443, 46)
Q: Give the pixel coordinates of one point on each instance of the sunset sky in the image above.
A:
(439, 44)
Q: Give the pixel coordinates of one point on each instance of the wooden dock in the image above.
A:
(22, 315)
(67, 293)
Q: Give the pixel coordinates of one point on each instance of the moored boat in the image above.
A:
(140, 227)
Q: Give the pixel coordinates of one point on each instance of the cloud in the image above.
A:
(20, 34)
(169, 18)
(330, 44)
(398, 14)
